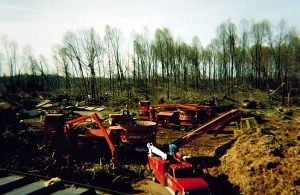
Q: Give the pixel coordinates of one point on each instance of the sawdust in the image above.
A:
(262, 164)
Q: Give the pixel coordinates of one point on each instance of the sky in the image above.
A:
(42, 23)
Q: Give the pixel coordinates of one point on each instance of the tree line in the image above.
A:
(258, 54)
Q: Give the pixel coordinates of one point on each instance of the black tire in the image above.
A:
(182, 128)
(153, 176)
(190, 128)
(154, 179)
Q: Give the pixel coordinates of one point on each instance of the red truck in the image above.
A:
(179, 177)
(173, 170)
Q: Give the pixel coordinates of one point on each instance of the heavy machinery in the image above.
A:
(247, 125)
(179, 177)
(143, 109)
(124, 117)
(184, 116)
(88, 130)
(212, 124)
(136, 133)
(171, 168)
(96, 131)
(132, 131)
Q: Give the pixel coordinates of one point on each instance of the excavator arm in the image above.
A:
(70, 124)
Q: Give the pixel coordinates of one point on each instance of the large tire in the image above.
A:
(182, 128)
(177, 193)
(153, 176)
(190, 128)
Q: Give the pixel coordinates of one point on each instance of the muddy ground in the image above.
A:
(253, 163)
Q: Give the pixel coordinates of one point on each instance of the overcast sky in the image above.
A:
(42, 23)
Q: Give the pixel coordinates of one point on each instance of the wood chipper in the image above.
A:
(69, 134)
(135, 133)
(183, 116)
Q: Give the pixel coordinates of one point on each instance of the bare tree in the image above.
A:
(243, 51)
(60, 57)
(277, 44)
(163, 49)
(232, 37)
(83, 50)
(72, 44)
(91, 49)
(113, 38)
(43, 68)
(222, 36)
(258, 33)
(11, 58)
(213, 47)
(142, 59)
(32, 65)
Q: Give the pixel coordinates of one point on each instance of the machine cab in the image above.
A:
(144, 107)
(247, 125)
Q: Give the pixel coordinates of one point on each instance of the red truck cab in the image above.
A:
(183, 179)
(180, 178)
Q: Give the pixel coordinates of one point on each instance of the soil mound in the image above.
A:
(263, 164)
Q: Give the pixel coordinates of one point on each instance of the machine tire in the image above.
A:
(153, 176)
(182, 128)
(190, 128)
(177, 193)
(165, 123)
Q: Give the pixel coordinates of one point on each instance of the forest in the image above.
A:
(251, 53)
(89, 115)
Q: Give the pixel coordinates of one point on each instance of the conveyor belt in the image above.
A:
(220, 120)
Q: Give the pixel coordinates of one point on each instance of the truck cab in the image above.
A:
(185, 179)
(179, 177)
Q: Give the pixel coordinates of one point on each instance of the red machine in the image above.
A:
(179, 177)
(136, 133)
(143, 109)
(218, 121)
(123, 133)
(133, 131)
(123, 118)
(185, 116)
(172, 170)
(98, 131)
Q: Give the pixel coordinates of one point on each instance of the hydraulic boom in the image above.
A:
(94, 132)
(220, 120)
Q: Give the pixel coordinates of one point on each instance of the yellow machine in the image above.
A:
(247, 125)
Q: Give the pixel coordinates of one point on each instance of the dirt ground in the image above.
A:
(253, 163)
(264, 163)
